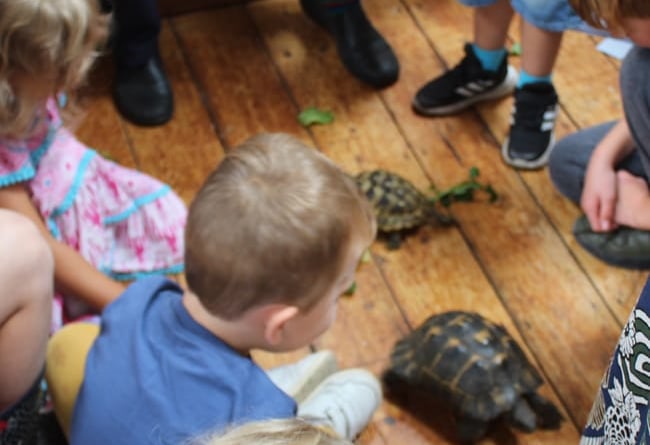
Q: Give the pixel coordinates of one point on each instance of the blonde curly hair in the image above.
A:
(292, 431)
(46, 46)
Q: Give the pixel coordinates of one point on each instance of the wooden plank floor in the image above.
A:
(243, 69)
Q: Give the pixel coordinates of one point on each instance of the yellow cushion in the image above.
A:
(65, 367)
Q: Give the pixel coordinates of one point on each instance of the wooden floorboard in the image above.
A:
(251, 67)
(546, 292)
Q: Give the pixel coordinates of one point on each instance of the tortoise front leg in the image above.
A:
(470, 430)
(394, 240)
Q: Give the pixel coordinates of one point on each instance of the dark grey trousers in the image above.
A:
(569, 159)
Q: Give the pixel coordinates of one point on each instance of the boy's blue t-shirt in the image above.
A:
(155, 376)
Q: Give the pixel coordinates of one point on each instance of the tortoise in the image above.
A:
(398, 205)
(476, 366)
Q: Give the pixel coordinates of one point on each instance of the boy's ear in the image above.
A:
(276, 320)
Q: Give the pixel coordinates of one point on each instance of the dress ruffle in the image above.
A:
(122, 221)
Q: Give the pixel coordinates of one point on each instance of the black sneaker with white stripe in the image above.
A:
(532, 126)
(464, 85)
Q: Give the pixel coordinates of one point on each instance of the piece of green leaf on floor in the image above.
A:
(515, 49)
(351, 290)
(312, 115)
(464, 191)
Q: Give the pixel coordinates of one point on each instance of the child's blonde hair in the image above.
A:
(49, 43)
(609, 14)
(292, 431)
(272, 224)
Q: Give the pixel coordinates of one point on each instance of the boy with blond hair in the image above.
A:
(605, 169)
(273, 239)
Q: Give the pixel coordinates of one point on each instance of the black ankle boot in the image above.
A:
(363, 51)
(143, 94)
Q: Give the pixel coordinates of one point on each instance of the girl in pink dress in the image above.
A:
(103, 222)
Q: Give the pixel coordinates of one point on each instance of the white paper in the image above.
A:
(617, 48)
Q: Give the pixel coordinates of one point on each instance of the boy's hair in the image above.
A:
(47, 41)
(272, 224)
(609, 14)
(292, 431)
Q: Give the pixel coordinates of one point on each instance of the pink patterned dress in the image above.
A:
(123, 222)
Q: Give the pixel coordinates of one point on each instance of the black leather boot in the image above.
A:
(143, 94)
(363, 51)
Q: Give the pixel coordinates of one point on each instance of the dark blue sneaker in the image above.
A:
(532, 126)
(464, 85)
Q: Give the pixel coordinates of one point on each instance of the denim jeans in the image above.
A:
(550, 15)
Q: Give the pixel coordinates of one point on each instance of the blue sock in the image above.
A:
(525, 79)
(490, 58)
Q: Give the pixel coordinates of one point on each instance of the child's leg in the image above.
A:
(569, 159)
(482, 74)
(532, 137)
(539, 52)
(568, 162)
(535, 108)
(624, 247)
(635, 94)
(26, 274)
(491, 24)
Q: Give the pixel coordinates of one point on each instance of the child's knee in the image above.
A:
(27, 258)
(556, 161)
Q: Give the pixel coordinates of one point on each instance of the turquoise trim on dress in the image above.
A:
(107, 263)
(25, 173)
(171, 270)
(76, 183)
(62, 100)
(38, 154)
(28, 171)
(138, 202)
(53, 228)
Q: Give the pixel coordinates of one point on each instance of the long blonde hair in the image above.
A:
(292, 431)
(49, 43)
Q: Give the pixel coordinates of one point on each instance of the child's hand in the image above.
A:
(598, 198)
(633, 203)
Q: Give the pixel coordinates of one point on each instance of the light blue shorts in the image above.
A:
(550, 15)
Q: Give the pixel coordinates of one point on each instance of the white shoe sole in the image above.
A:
(506, 87)
(523, 164)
